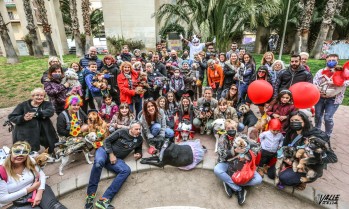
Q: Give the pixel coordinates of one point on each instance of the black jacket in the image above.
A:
(39, 129)
(289, 77)
(160, 68)
(121, 143)
(229, 74)
(126, 57)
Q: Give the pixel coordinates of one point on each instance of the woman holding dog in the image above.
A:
(23, 183)
(154, 126)
(227, 151)
(296, 136)
(128, 92)
(32, 122)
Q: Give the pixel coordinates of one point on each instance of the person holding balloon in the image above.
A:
(331, 82)
(261, 74)
(282, 108)
(295, 73)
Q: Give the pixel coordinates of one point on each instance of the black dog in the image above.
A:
(173, 154)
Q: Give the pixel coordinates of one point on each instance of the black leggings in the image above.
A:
(48, 201)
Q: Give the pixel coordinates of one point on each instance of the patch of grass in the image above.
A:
(16, 81)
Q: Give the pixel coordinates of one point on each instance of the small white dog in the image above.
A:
(185, 128)
(65, 156)
(218, 129)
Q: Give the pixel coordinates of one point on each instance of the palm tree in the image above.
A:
(335, 20)
(325, 26)
(85, 7)
(97, 26)
(46, 27)
(75, 28)
(38, 50)
(11, 55)
(306, 20)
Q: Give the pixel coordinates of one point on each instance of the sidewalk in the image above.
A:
(334, 181)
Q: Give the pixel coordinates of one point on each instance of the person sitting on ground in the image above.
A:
(111, 156)
(154, 126)
(224, 111)
(21, 177)
(226, 152)
(70, 122)
(204, 112)
(33, 124)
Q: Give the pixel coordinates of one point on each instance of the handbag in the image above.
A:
(247, 172)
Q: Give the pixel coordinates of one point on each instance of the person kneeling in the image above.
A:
(226, 151)
(116, 147)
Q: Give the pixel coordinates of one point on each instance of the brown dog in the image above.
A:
(98, 125)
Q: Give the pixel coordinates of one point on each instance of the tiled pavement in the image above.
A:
(334, 181)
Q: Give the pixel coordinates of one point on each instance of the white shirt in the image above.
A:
(195, 49)
(271, 142)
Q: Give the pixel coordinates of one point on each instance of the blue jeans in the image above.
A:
(220, 170)
(120, 168)
(242, 92)
(137, 106)
(156, 128)
(328, 107)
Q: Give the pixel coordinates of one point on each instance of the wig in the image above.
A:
(73, 99)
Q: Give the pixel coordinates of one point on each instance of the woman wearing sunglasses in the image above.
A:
(23, 183)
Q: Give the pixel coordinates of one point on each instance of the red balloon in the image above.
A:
(345, 73)
(305, 95)
(260, 91)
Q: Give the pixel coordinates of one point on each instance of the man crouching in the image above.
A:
(116, 147)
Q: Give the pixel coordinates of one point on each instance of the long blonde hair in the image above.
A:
(28, 163)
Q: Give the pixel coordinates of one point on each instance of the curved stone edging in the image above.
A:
(71, 184)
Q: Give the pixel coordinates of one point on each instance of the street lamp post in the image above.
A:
(285, 26)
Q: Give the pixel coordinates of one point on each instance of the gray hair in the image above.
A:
(34, 91)
(134, 122)
(304, 53)
(53, 58)
(279, 61)
(211, 61)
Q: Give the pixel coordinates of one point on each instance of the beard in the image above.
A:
(294, 67)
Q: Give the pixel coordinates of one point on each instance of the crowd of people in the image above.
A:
(144, 96)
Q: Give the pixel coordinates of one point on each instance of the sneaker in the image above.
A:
(228, 190)
(104, 204)
(241, 195)
(202, 130)
(89, 201)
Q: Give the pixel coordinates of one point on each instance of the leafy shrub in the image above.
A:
(115, 44)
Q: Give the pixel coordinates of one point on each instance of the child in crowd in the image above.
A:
(93, 91)
(185, 112)
(271, 141)
(177, 83)
(108, 109)
(121, 119)
(282, 107)
(163, 104)
(172, 104)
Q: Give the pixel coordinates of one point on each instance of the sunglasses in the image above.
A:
(23, 151)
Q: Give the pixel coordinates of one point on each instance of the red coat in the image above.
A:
(126, 93)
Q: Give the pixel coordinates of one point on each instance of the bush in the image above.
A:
(115, 44)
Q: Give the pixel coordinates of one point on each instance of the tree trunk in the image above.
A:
(85, 7)
(37, 46)
(306, 20)
(261, 35)
(11, 55)
(75, 27)
(333, 25)
(325, 26)
(296, 47)
(46, 27)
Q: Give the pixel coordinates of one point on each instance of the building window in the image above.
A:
(11, 16)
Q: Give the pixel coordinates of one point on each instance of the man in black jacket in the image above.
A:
(116, 147)
(159, 67)
(294, 74)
